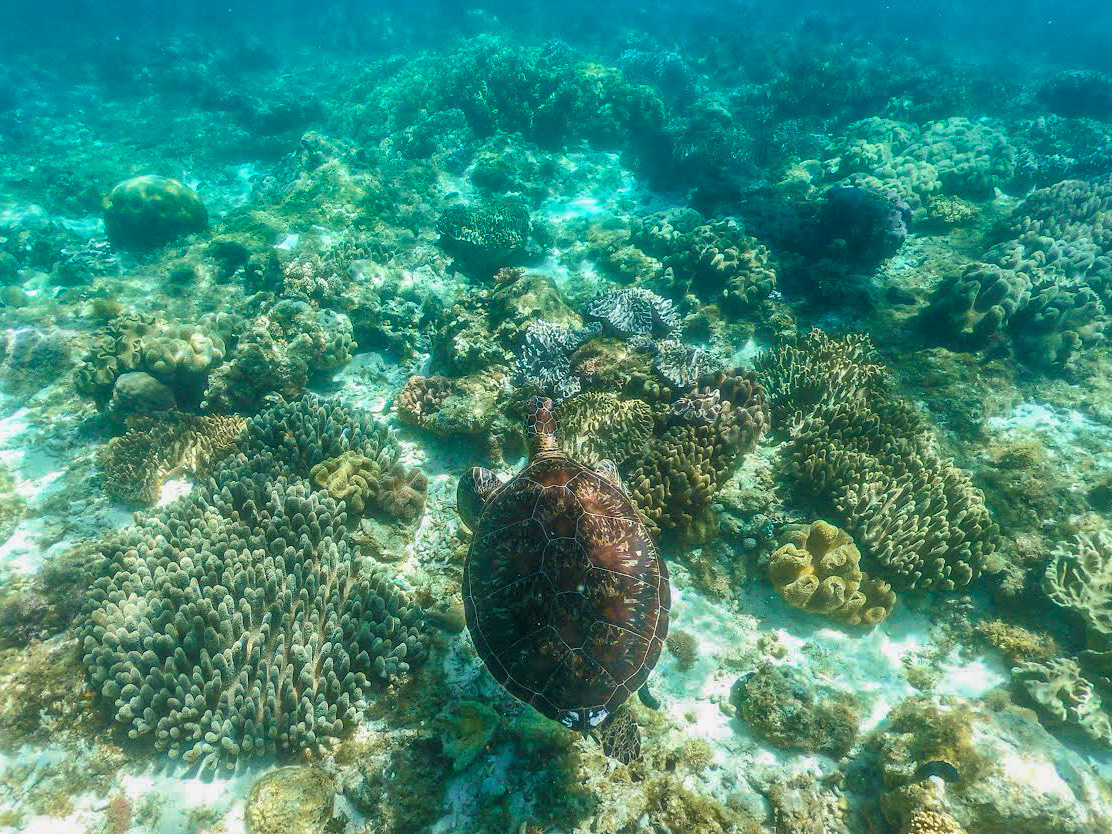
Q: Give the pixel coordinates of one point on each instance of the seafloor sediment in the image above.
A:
(844, 339)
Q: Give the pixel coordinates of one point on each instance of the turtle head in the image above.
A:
(540, 427)
(472, 493)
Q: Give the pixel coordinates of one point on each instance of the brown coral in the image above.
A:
(402, 492)
(351, 478)
(675, 478)
(596, 426)
(421, 398)
(818, 569)
(927, 821)
(156, 447)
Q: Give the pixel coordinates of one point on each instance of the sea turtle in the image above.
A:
(565, 594)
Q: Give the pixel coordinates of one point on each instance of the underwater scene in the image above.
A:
(532, 417)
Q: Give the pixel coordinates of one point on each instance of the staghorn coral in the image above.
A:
(240, 620)
(157, 447)
(818, 569)
(1062, 695)
(674, 479)
(596, 427)
(545, 360)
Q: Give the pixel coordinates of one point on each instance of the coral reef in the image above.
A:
(488, 236)
(161, 445)
(291, 799)
(818, 569)
(783, 708)
(857, 450)
(635, 311)
(288, 662)
(596, 427)
(466, 727)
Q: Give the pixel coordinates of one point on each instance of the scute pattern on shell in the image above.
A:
(565, 593)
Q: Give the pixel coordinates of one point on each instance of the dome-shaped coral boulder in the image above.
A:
(149, 211)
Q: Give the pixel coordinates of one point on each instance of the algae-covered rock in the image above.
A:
(146, 212)
(291, 800)
(466, 727)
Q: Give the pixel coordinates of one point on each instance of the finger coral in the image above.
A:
(818, 569)
(240, 620)
(157, 447)
(596, 427)
(674, 479)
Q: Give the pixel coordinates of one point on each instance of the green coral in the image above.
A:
(466, 727)
(1065, 697)
(488, 236)
(148, 211)
(241, 620)
(596, 427)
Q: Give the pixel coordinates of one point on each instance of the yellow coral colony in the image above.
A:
(818, 569)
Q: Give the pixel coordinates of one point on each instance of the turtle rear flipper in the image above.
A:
(620, 737)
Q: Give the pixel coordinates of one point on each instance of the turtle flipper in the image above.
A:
(609, 470)
(647, 698)
(473, 491)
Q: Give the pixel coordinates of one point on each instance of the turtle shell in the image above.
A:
(565, 593)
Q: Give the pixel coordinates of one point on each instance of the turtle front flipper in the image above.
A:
(472, 493)
(609, 470)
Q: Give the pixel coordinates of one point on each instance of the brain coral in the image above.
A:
(818, 569)
(240, 620)
(487, 236)
(148, 211)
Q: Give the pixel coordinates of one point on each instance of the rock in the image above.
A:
(9, 270)
(466, 727)
(147, 212)
(138, 392)
(291, 800)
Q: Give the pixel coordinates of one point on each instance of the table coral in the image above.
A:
(818, 569)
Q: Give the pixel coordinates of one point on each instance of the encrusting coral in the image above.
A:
(240, 620)
(156, 447)
(818, 569)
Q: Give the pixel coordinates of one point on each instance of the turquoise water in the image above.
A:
(532, 418)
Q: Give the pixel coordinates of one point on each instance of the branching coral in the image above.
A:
(596, 427)
(157, 447)
(674, 479)
(240, 620)
(863, 454)
(818, 569)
